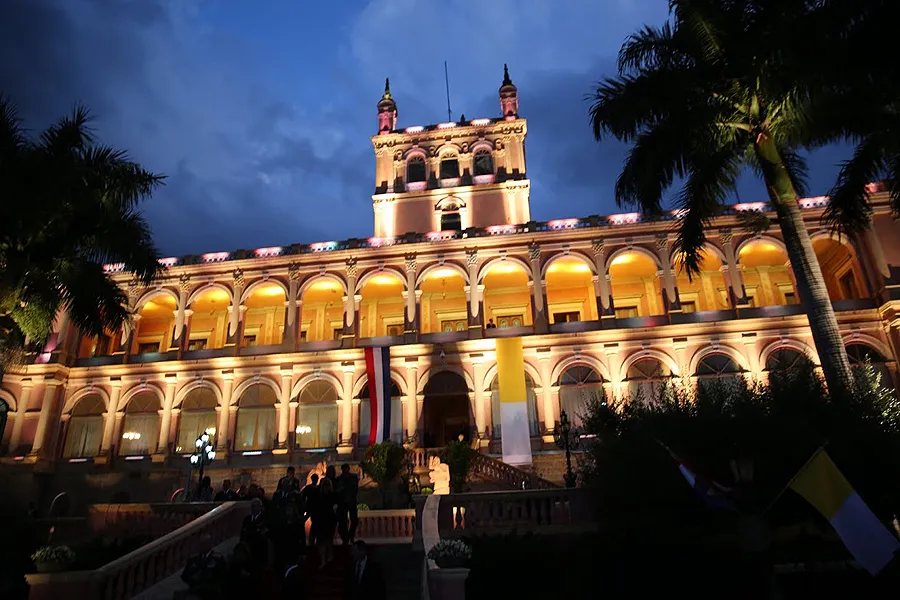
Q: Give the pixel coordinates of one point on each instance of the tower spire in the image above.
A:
(509, 97)
(387, 110)
(506, 79)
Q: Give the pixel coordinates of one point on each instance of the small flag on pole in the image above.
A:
(378, 373)
(712, 494)
(825, 487)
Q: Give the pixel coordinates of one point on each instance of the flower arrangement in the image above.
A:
(449, 554)
(57, 555)
(426, 491)
(362, 506)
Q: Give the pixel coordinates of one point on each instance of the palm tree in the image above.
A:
(718, 87)
(69, 207)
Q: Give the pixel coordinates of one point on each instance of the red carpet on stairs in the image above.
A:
(327, 583)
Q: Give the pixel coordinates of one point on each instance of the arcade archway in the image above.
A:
(445, 410)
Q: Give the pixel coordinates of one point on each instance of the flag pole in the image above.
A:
(797, 474)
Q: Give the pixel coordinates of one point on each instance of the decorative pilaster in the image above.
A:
(731, 271)
(109, 421)
(346, 444)
(351, 305)
(602, 287)
(411, 319)
(43, 437)
(165, 420)
(547, 393)
(292, 308)
(284, 406)
(474, 293)
(671, 301)
(409, 402)
(477, 361)
(15, 436)
(178, 335)
(222, 427)
(235, 316)
(538, 291)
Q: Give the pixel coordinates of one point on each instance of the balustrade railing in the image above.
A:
(145, 567)
(386, 526)
(149, 520)
(516, 478)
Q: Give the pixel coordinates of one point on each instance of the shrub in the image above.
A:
(382, 464)
(362, 506)
(458, 457)
(54, 554)
(450, 553)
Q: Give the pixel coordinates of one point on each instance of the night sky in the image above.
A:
(260, 112)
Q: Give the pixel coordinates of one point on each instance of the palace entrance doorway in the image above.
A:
(445, 410)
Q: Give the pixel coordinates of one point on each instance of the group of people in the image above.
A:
(273, 541)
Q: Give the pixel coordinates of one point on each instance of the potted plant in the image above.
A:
(362, 506)
(450, 554)
(53, 559)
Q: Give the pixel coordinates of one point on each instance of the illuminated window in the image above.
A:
(365, 415)
(140, 427)
(317, 416)
(645, 377)
(579, 386)
(689, 306)
(625, 312)
(484, 163)
(197, 344)
(785, 360)
(454, 325)
(85, 428)
(148, 347)
(566, 317)
(255, 427)
(450, 221)
(847, 283)
(337, 333)
(449, 167)
(510, 321)
(717, 366)
(249, 340)
(394, 330)
(198, 414)
(415, 169)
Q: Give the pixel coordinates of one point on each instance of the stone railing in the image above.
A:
(516, 478)
(387, 526)
(129, 575)
(150, 520)
(535, 511)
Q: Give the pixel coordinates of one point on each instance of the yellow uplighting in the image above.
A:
(269, 290)
(624, 259)
(759, 247)
(214, 295)
(324, 285)
(384, 280)
(506, 268)
(442, 273)
(571, 266)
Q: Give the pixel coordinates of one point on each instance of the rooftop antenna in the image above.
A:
(447, 85)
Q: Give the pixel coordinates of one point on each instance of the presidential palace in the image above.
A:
(264, 347)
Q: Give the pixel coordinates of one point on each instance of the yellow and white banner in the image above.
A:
(514, 431)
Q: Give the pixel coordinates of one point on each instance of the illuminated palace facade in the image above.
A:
(266, 345)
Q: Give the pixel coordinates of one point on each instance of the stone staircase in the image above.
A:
(491, 469)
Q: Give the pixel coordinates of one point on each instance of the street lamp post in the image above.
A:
(567, 438)
(204, 453)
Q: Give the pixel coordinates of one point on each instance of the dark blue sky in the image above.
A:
(260, 113)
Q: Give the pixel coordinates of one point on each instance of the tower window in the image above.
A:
(484, 163)
(415, 169)
(449, 167)
(451, 222)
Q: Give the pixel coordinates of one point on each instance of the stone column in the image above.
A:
(223, 422)
(614, 364)
(409, 402)
(671, 301)
(15, 436)
(284, 406)
(732, 272)
(178, 334)
(538, 286)
(235, 312)
(877, 252)
(166, 415)
(43, 438)
(292, 308)
(474, 292)
(351, 306)
(109, 421)
(346, 444)
(480, 409)
(602, 287)
(547, 393)
(411, 297)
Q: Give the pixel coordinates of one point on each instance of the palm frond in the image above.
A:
(95, 303)
(848, 207)
(649, 48)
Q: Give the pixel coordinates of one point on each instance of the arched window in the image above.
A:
(645, 377)
(449, 166)
(255, 428)
(415, 169)
(140, 429)
(860, 355)
(484, 162)
(717, 366)
(530, 404)
(579, 385)
(317, 416)
(85, 429)
(365, 415)
(198, 414)
(786, 360)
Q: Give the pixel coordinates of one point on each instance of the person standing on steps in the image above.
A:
(324, 521)
(365, 579)
(348, 516)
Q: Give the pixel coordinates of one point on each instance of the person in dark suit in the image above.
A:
(365, 579)
(348, 517)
